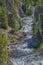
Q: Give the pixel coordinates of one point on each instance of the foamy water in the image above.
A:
(22, 54)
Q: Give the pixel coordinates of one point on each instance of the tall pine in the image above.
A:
(14, 25)
(4, 58)
(3, 14)
(5, 21)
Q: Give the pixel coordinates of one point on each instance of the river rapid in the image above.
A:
(24, 52)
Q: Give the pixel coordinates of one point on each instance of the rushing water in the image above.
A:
(24, 53)
(26, 57)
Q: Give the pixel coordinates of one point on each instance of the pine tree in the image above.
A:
(5, 21)
(3, 14)
(40, 2)
(14, 25)
(4, 59)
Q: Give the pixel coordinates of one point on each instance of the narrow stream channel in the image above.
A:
(24, 53)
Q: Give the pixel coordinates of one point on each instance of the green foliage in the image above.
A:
(3, 14)
(35, 28)
(40, 2)
(41, 45)
(14, 26)
(5, 21)
(13, 6)
(27, 4)
(4, 59)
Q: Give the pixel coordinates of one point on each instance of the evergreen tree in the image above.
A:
(40, 2)
(4, 59)
(14, 26)
(3, 15)
(5, 21)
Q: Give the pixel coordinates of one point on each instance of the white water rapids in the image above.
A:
(22, 54)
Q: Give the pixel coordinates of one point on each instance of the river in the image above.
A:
(24, 52)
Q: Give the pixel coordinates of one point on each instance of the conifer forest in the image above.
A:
(21, 32)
